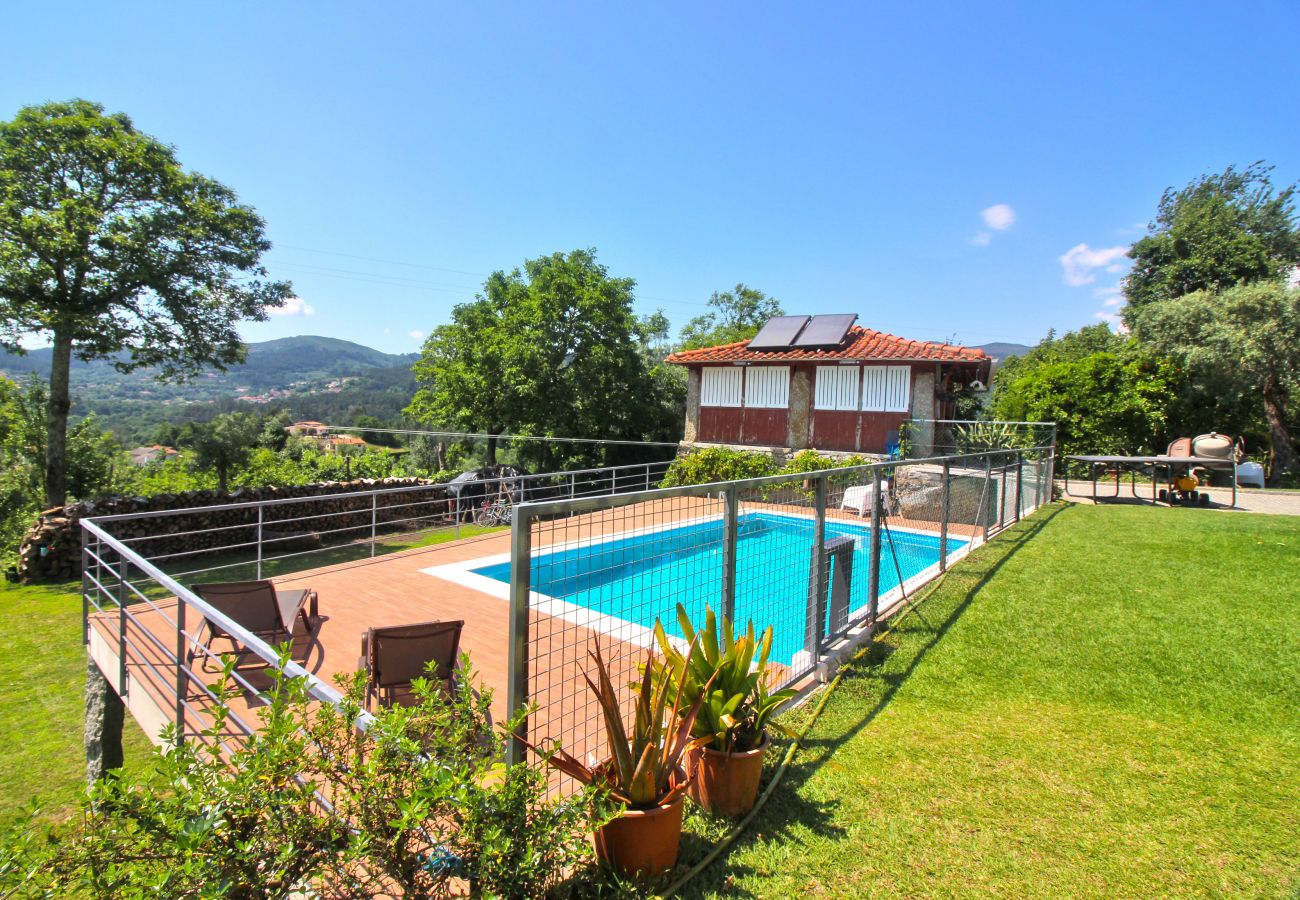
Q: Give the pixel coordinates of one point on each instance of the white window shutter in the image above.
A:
(720, 385)
(886, 388)
(767, 387)
(837, 388)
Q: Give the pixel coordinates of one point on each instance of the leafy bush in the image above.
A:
(421, 802)
(714, 464)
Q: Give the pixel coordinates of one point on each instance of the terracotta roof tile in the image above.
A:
(860, 343)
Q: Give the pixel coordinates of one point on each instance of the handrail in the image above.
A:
(316, 688)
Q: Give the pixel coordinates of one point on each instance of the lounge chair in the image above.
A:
(260, 607)
(859, 497)
(392, 657)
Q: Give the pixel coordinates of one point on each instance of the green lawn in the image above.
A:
(1108, 708)
(42, 691)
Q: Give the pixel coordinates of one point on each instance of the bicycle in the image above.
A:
(496, 512)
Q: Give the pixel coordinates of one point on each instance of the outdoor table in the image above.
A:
(1171, 465)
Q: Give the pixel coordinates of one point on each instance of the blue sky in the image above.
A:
(924, 165)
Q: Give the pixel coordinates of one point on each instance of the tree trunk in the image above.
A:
(440, 452)
(221, 478)
(56, 440)
(1284, 454)
(490, 455)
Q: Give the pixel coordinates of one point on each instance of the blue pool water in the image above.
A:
(641, 578)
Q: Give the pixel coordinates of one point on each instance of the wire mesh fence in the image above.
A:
(815, 556)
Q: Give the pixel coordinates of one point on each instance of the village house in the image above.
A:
(822, 383)
(142, 456)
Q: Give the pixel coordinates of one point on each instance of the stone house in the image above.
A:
(831, 386)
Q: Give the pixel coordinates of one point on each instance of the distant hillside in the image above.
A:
(1000, 350)
(312, 377)
(286, 365)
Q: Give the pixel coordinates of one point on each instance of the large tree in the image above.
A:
(1219, 231)
(109, 248)
(551, 350)
(224, 444)
(1244, 340)
(737, 315)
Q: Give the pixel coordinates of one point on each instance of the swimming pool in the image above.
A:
(644, 576)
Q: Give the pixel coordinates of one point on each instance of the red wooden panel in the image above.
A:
(834, 430)
(720, 424)
(878, 428)
(764, 427)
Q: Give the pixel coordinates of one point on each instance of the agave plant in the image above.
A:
(717, 676)
(640, 770)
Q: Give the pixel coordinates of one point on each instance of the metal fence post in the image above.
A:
(943, 517)
(730, 524)
(121, 625)
(873, 574)
(85, 587)
(647, 476)
(458, 516)
(521, 539)
(613, 481)
(984, 498)
(180, 670)
(374, 520)
(815, 634)
(259, 542)
(1020, 469)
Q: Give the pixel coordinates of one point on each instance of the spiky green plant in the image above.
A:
(642, 764)
(717, 674)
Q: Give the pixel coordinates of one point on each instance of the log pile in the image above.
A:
(51, 550)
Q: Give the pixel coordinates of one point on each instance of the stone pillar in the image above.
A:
(105, 714)
(692, 405)
(798, 420)
(923, 407)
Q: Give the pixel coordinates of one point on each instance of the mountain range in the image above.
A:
(300, 364)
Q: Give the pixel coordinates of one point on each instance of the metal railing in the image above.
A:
(277, 536)
(815, 556)
(145, 626)
(144, 629)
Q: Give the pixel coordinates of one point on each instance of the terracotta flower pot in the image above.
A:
(642, 843)
(726, 784)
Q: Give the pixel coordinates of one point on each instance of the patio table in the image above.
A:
(1170, 465)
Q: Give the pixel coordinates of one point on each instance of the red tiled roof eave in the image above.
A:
(862, 344)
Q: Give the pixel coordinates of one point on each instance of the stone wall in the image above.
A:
(51, 551)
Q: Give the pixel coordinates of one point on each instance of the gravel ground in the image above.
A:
(1280, 503)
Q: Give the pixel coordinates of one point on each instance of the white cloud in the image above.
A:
(1081, 261)
(416, 335)
(999, 217)
(982, 239)
(294, 306)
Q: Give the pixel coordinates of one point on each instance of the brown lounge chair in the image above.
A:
(392, 657)
(266, 611)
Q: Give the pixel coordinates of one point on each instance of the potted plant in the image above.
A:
(644, 772)
(718, 678)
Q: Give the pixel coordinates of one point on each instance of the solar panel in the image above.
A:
(825, 331)
(779, 333)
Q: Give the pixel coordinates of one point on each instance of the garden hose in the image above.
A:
(793, 748)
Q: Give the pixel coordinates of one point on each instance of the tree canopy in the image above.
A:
(1116, 399)
(737, 316)
(552, 349)
(1241, 340)
(1217, 232)
(224, 444)
(108, 245)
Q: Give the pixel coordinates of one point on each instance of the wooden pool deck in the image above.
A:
(398, 588)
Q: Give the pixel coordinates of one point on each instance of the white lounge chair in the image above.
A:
(859, 497)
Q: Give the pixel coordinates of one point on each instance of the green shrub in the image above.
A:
(421, 800)
(714, 464)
